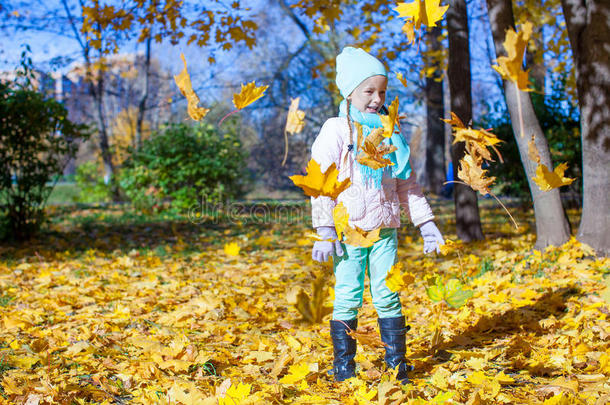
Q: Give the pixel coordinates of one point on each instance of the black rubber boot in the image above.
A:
(344, 349)
(393, 333)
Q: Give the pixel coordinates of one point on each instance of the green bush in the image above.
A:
(36, 142)
(559, 121)
(91, 184)
(184, 165)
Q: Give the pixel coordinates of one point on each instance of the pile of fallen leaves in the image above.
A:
(175, 312)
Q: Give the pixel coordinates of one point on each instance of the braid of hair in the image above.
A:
(349, 121)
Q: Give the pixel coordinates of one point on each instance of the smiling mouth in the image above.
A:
(371, 109)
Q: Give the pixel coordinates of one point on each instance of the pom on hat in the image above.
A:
(354, 66)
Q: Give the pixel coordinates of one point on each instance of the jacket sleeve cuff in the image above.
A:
(322, 211)
(412, 199)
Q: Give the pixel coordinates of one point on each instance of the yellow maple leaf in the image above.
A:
(439, 378)
(296, 373)
(396, 280)
(231, 249)
(23, 361)
(455, 121)
(296, 118)
(235, 394)
(390, 121)
(366, 336)
(373, 156)
(418, 12)
(548, 180)
(409, 29)
(186, 392)
(364, 394)
(316, 183)
(479, 136)
(511, 67)
(357, 237)
(312, 309)
(449, 247)
(473, 174)
(340, 217)
(183, 81)
(248, 94)
(477, 140)
(401, 78)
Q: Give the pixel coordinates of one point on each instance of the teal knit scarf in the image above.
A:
(401, 168)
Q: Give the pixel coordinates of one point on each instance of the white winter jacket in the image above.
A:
(368, 208)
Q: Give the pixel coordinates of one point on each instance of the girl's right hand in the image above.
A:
(324, 249)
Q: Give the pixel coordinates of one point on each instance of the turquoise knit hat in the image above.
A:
(354, 66)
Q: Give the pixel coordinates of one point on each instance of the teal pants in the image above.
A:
(350, 269)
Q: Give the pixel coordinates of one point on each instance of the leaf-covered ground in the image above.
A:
(108, 308)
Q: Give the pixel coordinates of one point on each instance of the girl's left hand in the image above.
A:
(432, 237)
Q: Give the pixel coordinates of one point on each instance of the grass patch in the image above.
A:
(64, 193)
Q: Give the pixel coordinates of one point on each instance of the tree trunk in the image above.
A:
(142, 105)
(587, 23)
(552, 227)
(98, 96)
(97, 92)
(435, 137)
(467, 219)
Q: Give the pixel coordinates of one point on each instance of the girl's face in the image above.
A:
(369, 96)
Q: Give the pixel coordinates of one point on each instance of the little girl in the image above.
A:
(372, 201)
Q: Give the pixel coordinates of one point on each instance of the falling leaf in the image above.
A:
(401, 78)
(455, 121)
(316, 183)
(511, 67)
(366, 336)
(373, 156)
(294, 124)
(183, 81)
(418, 12)
(296, 118)
(231, 249)
(409, 30)
(358, 237)
(480, 137)
(312, 309)
(390, 121)
(477, 140)
(396, 280)
(248, 94)
(473, 175)
(548, 180)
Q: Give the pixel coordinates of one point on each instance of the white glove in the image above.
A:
(324, 249)
(432, 237)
